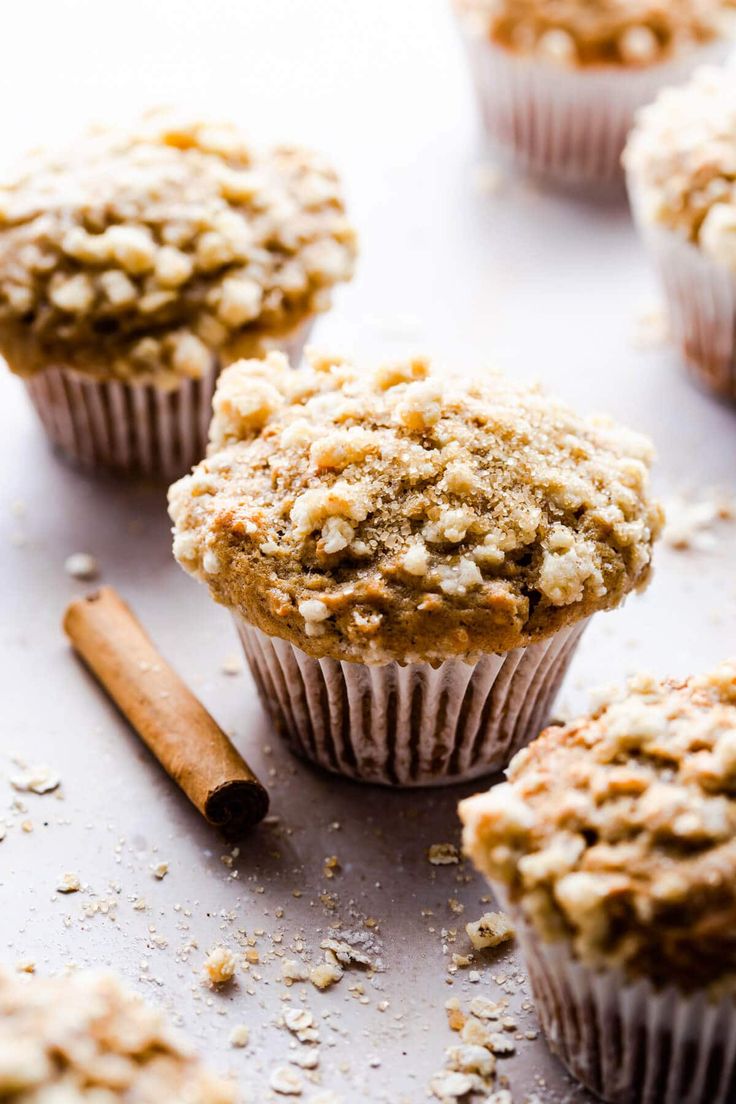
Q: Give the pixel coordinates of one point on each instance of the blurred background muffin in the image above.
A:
(681, 171)
(411, 556)
(134, 265)
(559, 80)
(614, 845)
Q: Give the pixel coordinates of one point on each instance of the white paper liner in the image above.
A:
(413, 725)
(627, 1041)
(133, 428)
(569, 125)
(701, 302)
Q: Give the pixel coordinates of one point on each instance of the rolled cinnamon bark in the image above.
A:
(174, 725)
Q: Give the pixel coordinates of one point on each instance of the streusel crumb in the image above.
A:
(82, 1038)
(143, 253)
(618, 831)
(634, 33)
(681, 163)
(408, 513)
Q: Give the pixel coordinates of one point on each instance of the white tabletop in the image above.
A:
(541, 285)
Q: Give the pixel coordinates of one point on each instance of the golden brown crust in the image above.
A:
(582, 33)
(405, 513)
(142, 253)
(82, 1039)
(618, 832)
(681, 163)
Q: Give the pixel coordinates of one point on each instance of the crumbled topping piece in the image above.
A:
(81, 565)
(160, 870)
(68, 883)
(220, 966)
(617, 832)
(141, 253)
(679, 160)
(408, 513)
(240, 1036)
(82, 1037)
(443, 854)
(635, 33)
(285, 1081)
(324, 975)
(691, 521)
(492, 929)
(39, 779)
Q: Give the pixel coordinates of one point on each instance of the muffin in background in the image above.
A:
(137, 263)
(559, 81)
(613, 845)
(681, 173)
(411, 556)
(83, 1038)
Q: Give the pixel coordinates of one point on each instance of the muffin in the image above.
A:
(559, 80)
(137, 263)
(81, 1039)
(680, 164)
(613, 843)
(411, 556)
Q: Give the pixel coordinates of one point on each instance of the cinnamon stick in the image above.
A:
(174, 725)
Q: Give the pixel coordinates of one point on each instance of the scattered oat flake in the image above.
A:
(160, 870)
(220, 966)
(81, 565)
(39, 780)
(240, 1036)
(450, 1084)
(296, 1019)
(492, 929)
(285, 1081)
(68, 883)
(443, 854)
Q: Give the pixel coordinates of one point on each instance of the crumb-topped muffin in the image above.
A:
(602, 32)
(680, 162)
(155, 254)
(614, 839)
(82, 1039)
(559, 81)
(403, 515)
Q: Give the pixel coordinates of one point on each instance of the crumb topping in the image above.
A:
(82, 1038)
(146, 250)
(618, 831)
(572, 33)
(681, 161)
(409, 513)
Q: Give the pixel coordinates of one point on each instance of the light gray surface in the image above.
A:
(543, 286)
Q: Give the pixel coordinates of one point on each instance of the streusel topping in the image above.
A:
(618, 831)
(681, 162)
(409, 513)
(139, 253)
(82, 1039)
(599, 32)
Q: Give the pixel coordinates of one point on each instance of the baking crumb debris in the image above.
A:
(160, 870)
(691, 521)
(39, 780)
(286, 1081)
(492, 929)
(82, 566)
(443, 854)
(231, 665)
(470, 1064)
(220, 966)
(68, 883)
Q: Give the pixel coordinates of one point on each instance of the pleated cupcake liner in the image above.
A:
(701, 303)
(568, 125)
(411, 725)
(133, 429)
(625, 1040)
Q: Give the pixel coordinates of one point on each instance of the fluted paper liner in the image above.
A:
(625, 1040)
(568, 124)
(133, 428)
(701, 302)
(412, 725)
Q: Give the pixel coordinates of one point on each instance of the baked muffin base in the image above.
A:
(701, 303)
(411, 725)
(625, 1040)
(568, 125)
(134, 429)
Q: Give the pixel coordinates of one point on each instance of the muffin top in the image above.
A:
(405, 513)
(599, 32)
(81, 1039)
(681, 161)
(618, 831)
(137, 253)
